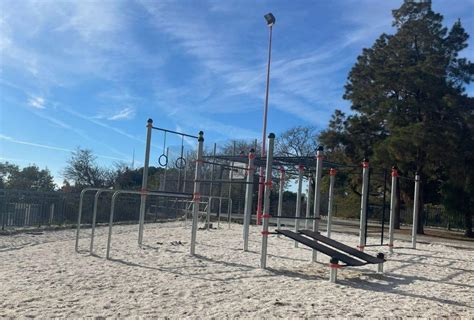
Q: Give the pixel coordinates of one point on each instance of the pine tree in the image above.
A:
(409, 102)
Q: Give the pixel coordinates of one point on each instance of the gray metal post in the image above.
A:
(111, 222)
(317, 194)
(163, 185)
(298, 200)
(196, 194)
(363, 203)
(280, 196)
(212, 170)
(79, 215)
(248, 198)
(332, 179)
(416, 200)
(393, 199)
(149, 127)
(208, 213)
(94, 218)
(308, 201)
(51, 213)
(266, 200)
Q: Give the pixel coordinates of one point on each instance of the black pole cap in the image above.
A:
(270, 18)
(252, 150)
(320, 148)
(271, 136)
(150, 120)
(380, 255)
(334, 261)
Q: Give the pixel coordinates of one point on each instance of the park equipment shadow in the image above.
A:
(391, 283)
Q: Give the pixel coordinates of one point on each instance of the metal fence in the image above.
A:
(19, 208)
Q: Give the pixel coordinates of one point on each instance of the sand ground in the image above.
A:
(42, 276)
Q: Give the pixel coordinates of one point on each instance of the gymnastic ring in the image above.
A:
(163, 160)
(180, 163)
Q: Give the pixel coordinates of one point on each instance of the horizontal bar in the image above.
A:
(223, 165)
(175, 132)
(299, 218)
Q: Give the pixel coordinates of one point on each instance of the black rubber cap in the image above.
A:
(320, 148)
(149, 120)
(334, 261)
(380, 255)
(252, 150)
(271, 136)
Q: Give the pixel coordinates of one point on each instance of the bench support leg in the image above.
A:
(380, 268)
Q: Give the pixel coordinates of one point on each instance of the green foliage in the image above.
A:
(28, 178)
(410, 109)
(83, 171)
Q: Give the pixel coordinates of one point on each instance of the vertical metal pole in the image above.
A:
(180, 168)
(51, 213)
(264, 131)
(298, 200)
(308, 200)
(208, 212)
(163, 185)
(144, 181)
(79, 216)
(317, 193)
(185, 176)
(393, 200)
(367, 208)
(363, 203)
(248, 198)
(266, 204)
(111, 222)
(384, 204)
(332, 179)
(212, 169)
(280, 196)
(94, 217)
(416, 200)
(229, 210)
(196, 194)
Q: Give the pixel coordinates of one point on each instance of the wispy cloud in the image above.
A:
(102, 124)
(126, 113)
(50, 147)
(37, 102)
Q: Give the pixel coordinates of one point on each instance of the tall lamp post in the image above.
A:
(270, 19)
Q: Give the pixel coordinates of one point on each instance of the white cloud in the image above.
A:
(126, 113)
(50, 147)
(37, 102)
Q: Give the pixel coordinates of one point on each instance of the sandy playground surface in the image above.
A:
(42, 276)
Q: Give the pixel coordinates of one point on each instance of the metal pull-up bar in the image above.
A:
(175, 132)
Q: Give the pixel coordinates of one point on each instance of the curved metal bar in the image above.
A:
(94, 216)
(79, 215)
(118, 192)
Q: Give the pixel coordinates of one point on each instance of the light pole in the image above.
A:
(270, 19)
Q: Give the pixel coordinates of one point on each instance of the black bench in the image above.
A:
(342, 247)
(349, 261)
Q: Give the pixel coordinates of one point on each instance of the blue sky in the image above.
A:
(90, 73)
